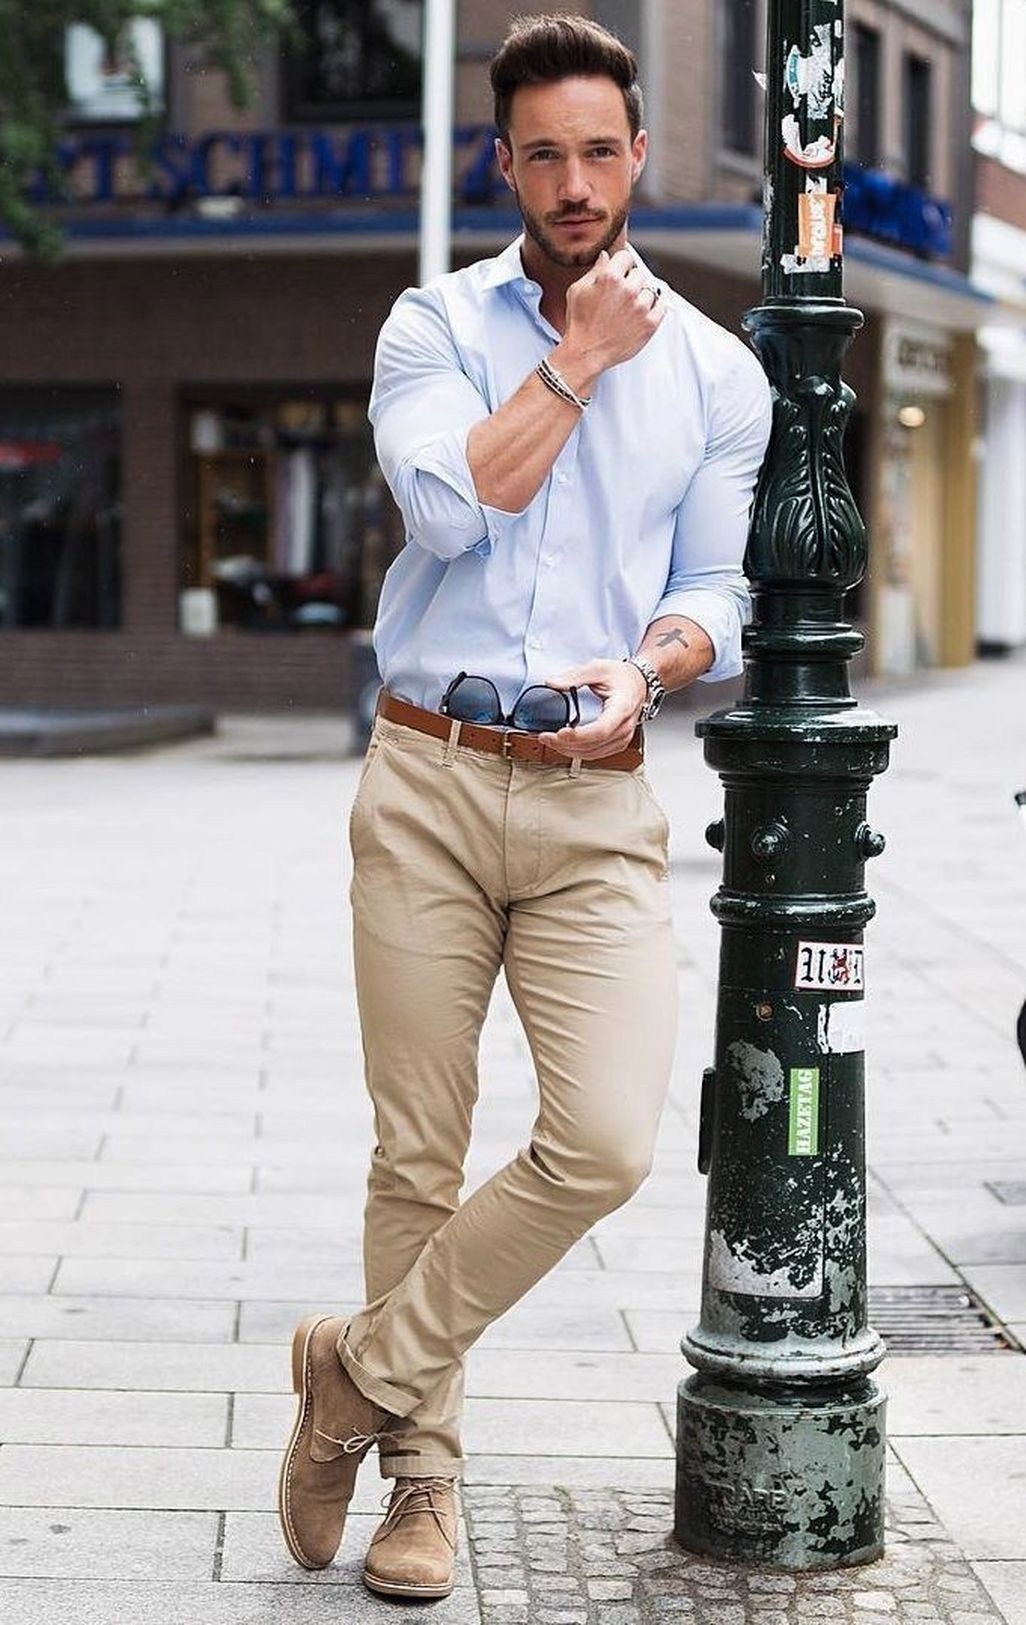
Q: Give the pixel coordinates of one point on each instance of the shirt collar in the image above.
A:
(505, 267)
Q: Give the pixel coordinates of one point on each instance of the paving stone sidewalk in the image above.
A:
(572, 1557)
(184, 1132)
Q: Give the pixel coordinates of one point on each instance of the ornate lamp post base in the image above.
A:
(793, 1483)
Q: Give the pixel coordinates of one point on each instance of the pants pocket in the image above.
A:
(642, 778)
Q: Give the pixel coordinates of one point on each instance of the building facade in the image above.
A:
(190, 504)
(999, 264)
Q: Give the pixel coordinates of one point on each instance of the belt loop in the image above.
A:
(449, 753)
(575, 767)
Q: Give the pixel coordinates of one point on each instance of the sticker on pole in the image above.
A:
(834, 965)
(803, 1124)
(841, 1027)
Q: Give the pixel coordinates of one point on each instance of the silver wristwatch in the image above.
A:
(656, 691)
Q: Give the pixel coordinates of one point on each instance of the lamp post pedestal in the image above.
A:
(790, 1486)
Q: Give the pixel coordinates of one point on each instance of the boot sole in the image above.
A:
(300, 1348)
(392, 1588)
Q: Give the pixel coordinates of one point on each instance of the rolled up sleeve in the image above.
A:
(706, 582)
(422, 408)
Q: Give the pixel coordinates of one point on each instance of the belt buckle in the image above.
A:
(504, 747)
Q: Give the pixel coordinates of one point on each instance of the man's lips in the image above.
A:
(579, 220)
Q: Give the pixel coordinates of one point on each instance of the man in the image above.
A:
(574, 449)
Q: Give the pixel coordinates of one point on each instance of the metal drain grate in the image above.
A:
(936, 1320)
(1012, 1192)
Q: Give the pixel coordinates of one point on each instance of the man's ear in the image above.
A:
(504, 159)
(639, 154)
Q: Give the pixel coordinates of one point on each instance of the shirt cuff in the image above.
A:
(720, 617)
(446, 459)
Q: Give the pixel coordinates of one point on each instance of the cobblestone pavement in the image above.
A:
(182, 1162)
(572, 1557)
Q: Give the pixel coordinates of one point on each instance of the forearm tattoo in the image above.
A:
(676, 636)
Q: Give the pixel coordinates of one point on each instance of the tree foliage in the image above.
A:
(33, 94)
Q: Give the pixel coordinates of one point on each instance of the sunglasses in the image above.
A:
(538, 709)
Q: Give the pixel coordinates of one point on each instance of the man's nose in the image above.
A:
(574, 184)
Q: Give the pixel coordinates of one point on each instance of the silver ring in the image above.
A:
(656, 294)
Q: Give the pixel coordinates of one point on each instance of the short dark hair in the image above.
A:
(543, 50)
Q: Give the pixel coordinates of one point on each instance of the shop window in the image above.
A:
(60, 507)
(737, 71)
(917, 121)
(866, 61)
(358, 59)
(105, 78)
(289, 524)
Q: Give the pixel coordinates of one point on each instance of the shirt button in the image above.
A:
(534, 643)
(562, 477)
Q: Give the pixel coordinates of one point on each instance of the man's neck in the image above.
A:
(554, 279)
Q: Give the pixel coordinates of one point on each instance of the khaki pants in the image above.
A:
(465, 863)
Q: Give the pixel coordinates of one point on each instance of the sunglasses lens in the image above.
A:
(541, 710)
(475, 699)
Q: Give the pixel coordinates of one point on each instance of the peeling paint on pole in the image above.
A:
(759, 1077)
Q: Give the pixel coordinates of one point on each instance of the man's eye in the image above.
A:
(542, 152)
(602, 152)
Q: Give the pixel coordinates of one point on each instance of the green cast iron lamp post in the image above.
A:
(780, 1440)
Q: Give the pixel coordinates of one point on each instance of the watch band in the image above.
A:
(656, 692)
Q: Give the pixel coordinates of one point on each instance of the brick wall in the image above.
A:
(1001, 192)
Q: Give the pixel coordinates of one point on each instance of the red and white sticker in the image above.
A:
(836, 965)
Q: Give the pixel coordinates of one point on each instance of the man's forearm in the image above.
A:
(511, 453)
(679, 650)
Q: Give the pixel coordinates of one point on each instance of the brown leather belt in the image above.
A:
(509, 743)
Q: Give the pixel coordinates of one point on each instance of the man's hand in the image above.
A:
(611, 314)
(623, 691)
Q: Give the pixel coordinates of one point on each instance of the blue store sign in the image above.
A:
(380, 164)
(365, 163)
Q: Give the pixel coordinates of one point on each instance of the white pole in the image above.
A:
(436, 175)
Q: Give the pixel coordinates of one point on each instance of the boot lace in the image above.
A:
(357, 1441)
(415, 1495)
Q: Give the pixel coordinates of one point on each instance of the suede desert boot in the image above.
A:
(413, 1552)
(335, 1427)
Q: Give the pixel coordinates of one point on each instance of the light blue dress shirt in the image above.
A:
(645, 512)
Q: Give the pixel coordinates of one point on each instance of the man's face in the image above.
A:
(572, 165)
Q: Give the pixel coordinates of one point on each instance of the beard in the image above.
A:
(581, 258)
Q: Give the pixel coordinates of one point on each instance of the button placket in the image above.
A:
(559, 510)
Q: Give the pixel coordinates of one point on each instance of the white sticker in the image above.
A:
(818, 154)
(830, 965)
(841, 1029)
(812, 76)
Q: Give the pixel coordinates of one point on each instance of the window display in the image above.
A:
(360, 59)
(60, 507)
(289, 523)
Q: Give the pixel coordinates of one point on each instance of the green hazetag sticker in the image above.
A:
(803, 1125)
